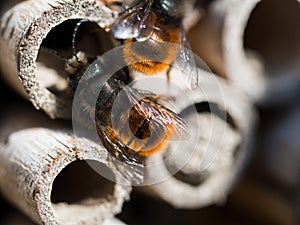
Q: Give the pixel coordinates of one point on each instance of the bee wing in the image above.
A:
(186, 61)
(158, 115)
(162, 117)
(136, 21)
(129, 163)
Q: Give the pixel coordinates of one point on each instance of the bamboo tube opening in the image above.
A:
(260, 48)
(56, 48)
(24, 28)
(192, 174)
(79, 187)
(35, 160)
(214, 108)
(272, 33)
(79, 183)
(203, 170)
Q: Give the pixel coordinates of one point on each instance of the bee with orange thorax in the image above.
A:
(156, 24)
(131, 123)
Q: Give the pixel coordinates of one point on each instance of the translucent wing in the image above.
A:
(129, 163)
(136, 21)
(186, 62)
(161, 118)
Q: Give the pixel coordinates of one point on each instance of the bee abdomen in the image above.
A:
(154, 55)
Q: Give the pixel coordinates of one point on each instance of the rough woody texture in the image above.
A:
(214, 160)
(32, 159)
(22, 31)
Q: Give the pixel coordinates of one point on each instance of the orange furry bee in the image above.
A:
(131, 123)
(156, 24)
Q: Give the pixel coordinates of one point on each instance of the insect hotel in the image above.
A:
(149, 112)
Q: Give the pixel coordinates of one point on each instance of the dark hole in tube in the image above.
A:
(273, 33)
(79, 183)
(197, 178)
(213, 108)
(194, 179)
(90, 38)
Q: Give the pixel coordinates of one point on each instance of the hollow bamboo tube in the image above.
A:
(21, 41)
(38, 168)
(218, 41)
(254, 44)
(22, 30)
(201, 173)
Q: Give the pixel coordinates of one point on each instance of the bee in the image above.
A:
(131, 123)
(155, 23)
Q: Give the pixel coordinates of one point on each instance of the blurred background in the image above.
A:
(268, 191)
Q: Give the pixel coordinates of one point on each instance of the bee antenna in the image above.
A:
(53, 52)
(78, 24)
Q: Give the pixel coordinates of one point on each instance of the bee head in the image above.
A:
(173, 8)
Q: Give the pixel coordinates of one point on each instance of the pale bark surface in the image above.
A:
(23, 29)
(31, 160)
